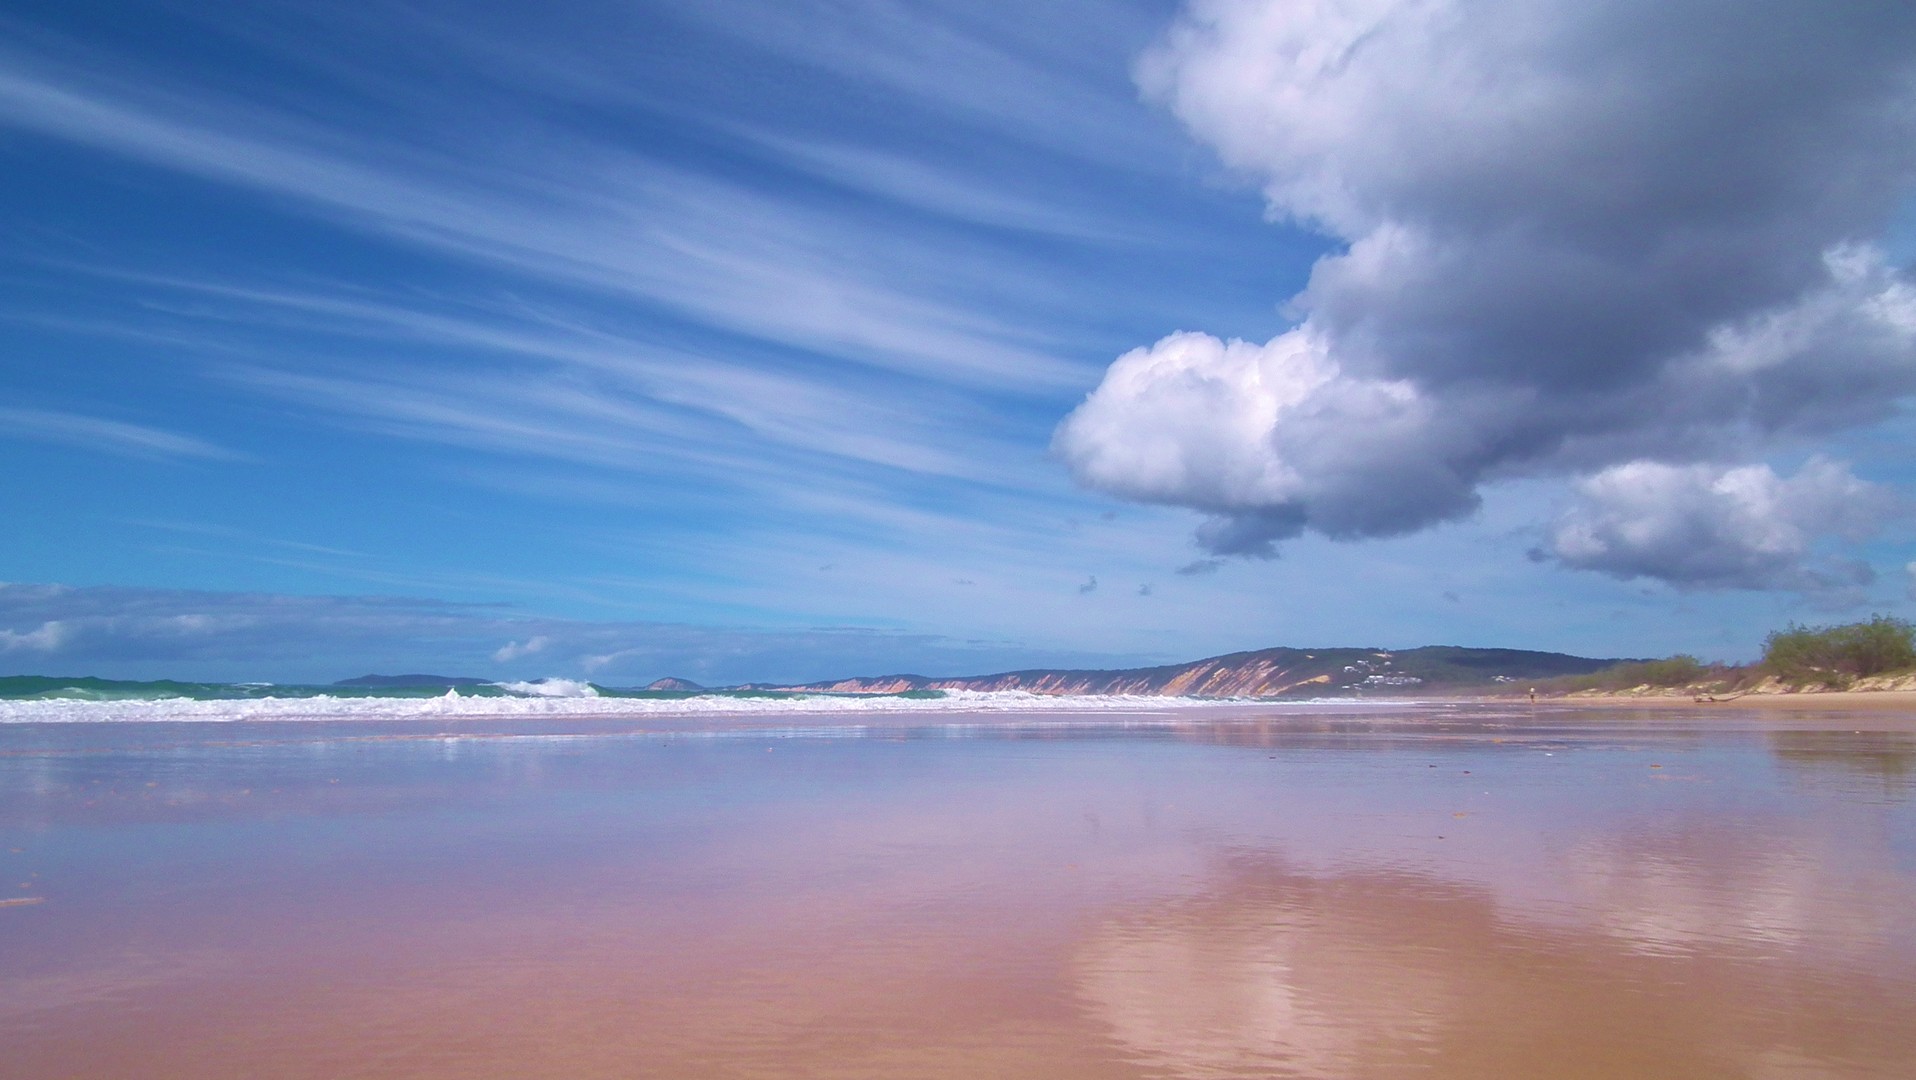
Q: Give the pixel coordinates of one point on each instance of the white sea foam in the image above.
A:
(452, 705)
(562, 688)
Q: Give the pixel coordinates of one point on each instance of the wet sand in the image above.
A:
(1900, 704)
(1453, 891)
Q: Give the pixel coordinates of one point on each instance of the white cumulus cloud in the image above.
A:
(1568, 238)
(1261, 434)
(1705, 527)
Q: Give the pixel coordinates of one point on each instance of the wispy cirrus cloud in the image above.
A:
(595, 377)
(1056, 75)
(108, 436)
(653, 425)
(706, 333)
(911, 182)
(600, 216)
(148, 633)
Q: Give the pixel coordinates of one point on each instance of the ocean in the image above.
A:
(44, 699)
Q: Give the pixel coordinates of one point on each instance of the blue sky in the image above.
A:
(733, 340)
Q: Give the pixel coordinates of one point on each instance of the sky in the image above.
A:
(787, 339)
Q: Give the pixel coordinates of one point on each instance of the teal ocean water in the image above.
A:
(47, 699)
(87, 688)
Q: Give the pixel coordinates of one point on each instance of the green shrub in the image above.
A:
(1840, 653)
(1680, 670)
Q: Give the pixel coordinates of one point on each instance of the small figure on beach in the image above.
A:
(1533, 695)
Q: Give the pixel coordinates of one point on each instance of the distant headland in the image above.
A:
(1878, 654)
(1272, 673)
(1874, 656)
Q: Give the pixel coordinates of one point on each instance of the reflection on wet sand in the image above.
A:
(1884, 756)
(1742, 893)
(1345, 895)
(1385, 973)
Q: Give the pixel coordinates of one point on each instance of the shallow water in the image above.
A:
(1226, 892)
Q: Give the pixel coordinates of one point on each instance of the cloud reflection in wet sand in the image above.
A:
(1384, 973)
(1714, 889)
(1350, 896)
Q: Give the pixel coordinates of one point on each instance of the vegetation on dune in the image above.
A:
(1680, 670)
(1800, 656)
(1838, 655)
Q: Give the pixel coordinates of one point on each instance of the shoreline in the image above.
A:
(1846, 700)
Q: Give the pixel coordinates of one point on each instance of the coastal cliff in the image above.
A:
(1278, 672)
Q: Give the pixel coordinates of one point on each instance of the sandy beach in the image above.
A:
(1576, 890)
(1881, 706)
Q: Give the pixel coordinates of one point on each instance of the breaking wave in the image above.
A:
(548, 698)
(562, 688)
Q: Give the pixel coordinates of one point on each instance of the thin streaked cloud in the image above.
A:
(790, 274)
(107, 436)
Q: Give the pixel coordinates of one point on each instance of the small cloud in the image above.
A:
(1144, 589)
(1251, 534)
(963, 581)
(512, 650)
(601, 661)
(47, 638)
(1200, 567)
(1090, 586)
(1108, 515)
(1453, 598)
